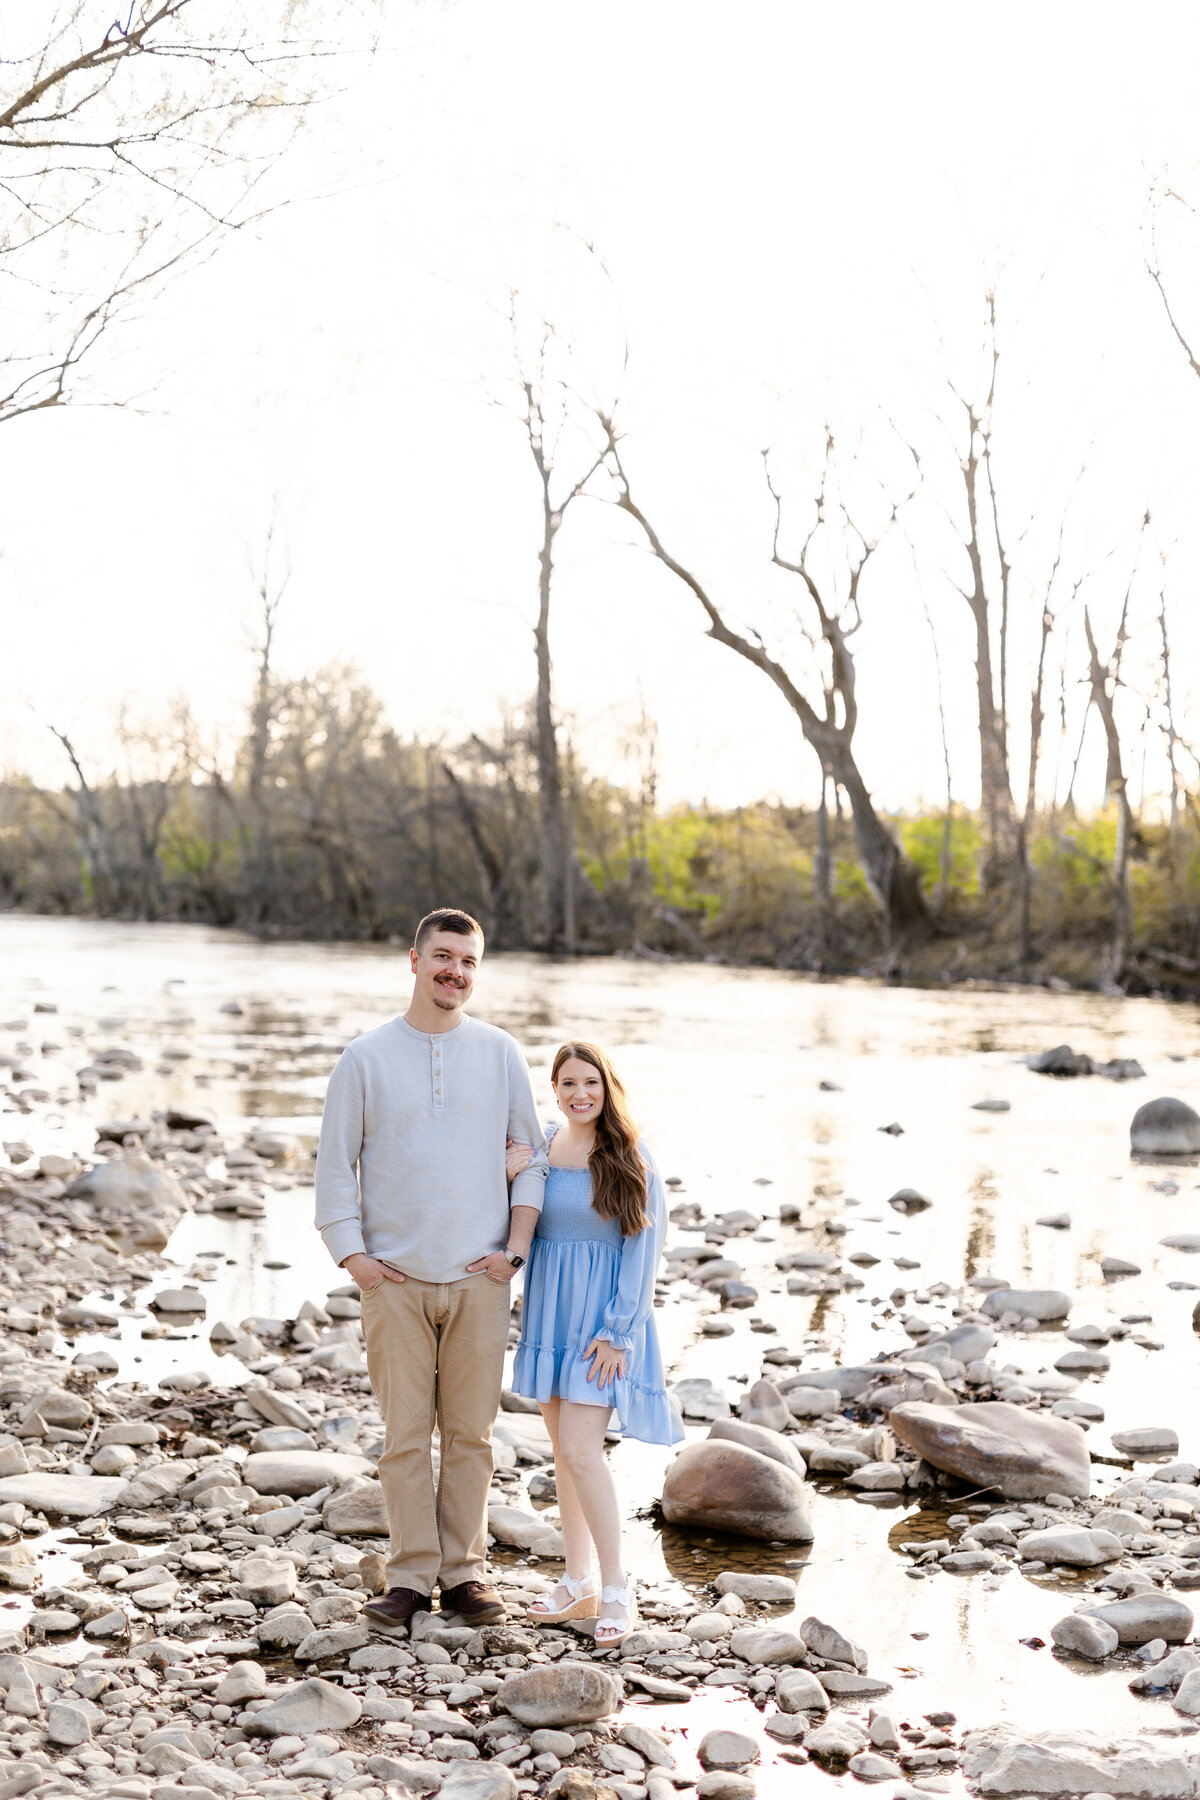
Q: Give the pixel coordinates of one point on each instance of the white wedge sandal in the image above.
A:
(619, 1606)
(583, 1602)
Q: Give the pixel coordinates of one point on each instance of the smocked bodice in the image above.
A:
(568, 1215)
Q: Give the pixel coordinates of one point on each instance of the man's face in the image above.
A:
(445, 967)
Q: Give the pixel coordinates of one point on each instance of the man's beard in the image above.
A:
(448, 997)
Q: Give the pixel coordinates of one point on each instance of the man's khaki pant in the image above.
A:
(435, 1355)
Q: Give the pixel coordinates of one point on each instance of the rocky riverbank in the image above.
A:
(187, 1547)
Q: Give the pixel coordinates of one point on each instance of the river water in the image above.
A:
(725, 1068)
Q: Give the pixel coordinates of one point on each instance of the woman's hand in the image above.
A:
(608, 1363)
(516, 1157)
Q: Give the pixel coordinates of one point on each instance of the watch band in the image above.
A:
(514, 1261)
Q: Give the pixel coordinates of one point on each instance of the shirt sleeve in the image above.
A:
(631, 1305)
(529, 1187)
(338, 1210)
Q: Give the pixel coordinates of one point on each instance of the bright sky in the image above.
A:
(798, 205)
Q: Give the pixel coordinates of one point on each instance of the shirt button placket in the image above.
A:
(435, 1050)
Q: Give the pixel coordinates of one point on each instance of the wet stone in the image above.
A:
(727, 1750)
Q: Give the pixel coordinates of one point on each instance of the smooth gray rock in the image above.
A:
(832, 1645)
(1003, 1760)
(136, 1190)
(479, 1781)
(764, 1405)
(1144, 1617)
(758, 1437)
(296, 1472)
(798, 1690)
(1165, 1127)
(766, 1645)
(313, 1705)
(359, 1512)
(69, 1722)
(265, 1579)
(766, 1589)
(1076, 1546)
(991, 1444)
(1147, 1440)
(68, 1496)
(1084, 1636)
(850, 1383)
(188, 1301)
(1165, 1676)
(1043, 1304)
(727, 1750)
(723, 1486)
(562, 1693)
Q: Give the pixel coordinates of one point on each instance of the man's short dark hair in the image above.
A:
(446, 918)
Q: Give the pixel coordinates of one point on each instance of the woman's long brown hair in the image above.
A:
(616, 1165)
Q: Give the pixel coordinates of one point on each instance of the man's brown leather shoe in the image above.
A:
(395, 1608)
(474, 1602)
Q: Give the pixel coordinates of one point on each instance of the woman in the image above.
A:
(588, 1344)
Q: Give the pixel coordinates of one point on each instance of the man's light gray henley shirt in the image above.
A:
(410, 1166)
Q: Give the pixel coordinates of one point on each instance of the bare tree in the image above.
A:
(828, 570)
(558, 407)
(132, 142)
(985, 584)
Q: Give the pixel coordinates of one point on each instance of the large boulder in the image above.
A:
(1020, 1454)
(722, 1486)
(148, 1200)
(1003, 1760)
(757, 1437)
(563, 1693)
(1144, 1617)
(1165, 1127)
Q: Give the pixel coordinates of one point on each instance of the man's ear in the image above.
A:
(412, 961)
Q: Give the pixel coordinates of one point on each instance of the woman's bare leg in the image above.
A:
(578, 1434)
(577, 1539)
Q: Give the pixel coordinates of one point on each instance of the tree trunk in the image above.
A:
(994, 786)
(823, 862)
(893, 880)
(552, 810)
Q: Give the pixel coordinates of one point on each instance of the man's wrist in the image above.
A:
(514, 1258)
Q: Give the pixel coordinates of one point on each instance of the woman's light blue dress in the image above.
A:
(584, 1280)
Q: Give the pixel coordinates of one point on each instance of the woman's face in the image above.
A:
(579, 1091)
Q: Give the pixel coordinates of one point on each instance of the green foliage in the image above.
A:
(704, 861)
(924, 838)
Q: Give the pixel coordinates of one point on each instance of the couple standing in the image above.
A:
(426, 1121)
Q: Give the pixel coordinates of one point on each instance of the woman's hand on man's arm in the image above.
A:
(517, 1156)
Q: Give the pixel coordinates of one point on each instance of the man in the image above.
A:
(412, 1201)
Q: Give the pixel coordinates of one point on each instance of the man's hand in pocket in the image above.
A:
(496, 1267)
(368, 1272)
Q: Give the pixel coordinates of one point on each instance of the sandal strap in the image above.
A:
(577, 1585)
(617, 1596)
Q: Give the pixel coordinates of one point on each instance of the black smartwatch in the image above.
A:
(516, 1262)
